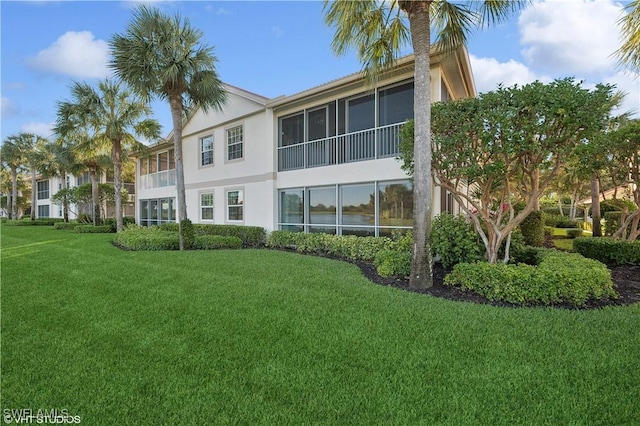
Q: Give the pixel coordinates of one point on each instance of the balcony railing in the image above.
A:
(381, 142)
(158, 180)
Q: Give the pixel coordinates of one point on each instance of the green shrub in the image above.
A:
(38, 222)
(558, 278)
(455, 240)
(90, 229)
(212, 242)
(169, 226)
(152, 238)
(532, 229)
(188, 234)
(613, 222)
(574, 232)
(67, 226)
(395, 260)
(251, 236)
(609, 251)
(282, 240)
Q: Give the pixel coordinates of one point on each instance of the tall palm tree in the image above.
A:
(60, 160)
(116, 118)
(162, 56)
(33, 146)
(629, 52)
(378, 30)
(13, 156)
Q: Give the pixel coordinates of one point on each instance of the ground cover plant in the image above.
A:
(273, 337)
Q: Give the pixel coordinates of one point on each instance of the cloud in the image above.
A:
(277, 31)
(488, 73)
(631, 86)
(575, 37)
(77, 54)
(42, 129)
(7, 108)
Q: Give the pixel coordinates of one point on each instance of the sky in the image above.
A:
(275, 48)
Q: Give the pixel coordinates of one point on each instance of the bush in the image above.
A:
(212, 242)
(395, 260)
(37, 222)
(574, 232)
(251, 236)
(613, 222)
(455, 240)
(90, 229)
(608, 250)
(66, 226)
(152, 238)
(188, 234)
(558, 278)
(532, 229)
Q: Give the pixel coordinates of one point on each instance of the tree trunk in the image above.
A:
(559, 205)
(595, 207)
(535, 189)
(116, 155)
(95, 196)
(421, 264)
(34, 193)
(176, 116)
(65, 201)
(14, 193)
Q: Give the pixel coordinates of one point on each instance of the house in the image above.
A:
(322, 160)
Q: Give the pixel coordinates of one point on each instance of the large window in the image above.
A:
(396, 104)
(372, 208)
(292, 130)
(156, 211)
(43, 190)
(206, 206)
(361, 113)
(43, 211)
(235, 206)
(206, 151)
(235, 142)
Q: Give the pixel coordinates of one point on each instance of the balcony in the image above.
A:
(158, 180)
(371, 144)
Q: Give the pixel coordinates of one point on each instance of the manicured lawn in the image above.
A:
(265, 337)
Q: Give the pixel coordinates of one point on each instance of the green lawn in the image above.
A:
(265, 337)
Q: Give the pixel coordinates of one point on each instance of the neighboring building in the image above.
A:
(323, 160)
(47, 188)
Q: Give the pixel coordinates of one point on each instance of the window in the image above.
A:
(292, 130)
(358, 209)
(235, 139)
(396, 104)
(317, 124)
(292, 210)
(156, 211)
(163, 161)
(43, 211)
(395, 205)
(322, 209)
(43, 191)
(235, 206)
(206, 151)
(361, 113)
(206, 206)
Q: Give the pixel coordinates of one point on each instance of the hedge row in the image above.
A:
(91, 229)
(251, 236)
(213, 242)
(156, 238)
(608, 250)
(37, 222)
(558, 277)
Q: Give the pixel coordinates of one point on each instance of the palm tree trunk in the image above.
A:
(421, 264)
(34, 193)
(116, 155)
(176, 116)
(95, 196)
(595, 207)
(65, 201)
(14, 193)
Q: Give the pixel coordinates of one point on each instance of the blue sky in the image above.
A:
(280, 48)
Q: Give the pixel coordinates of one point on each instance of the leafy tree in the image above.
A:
(162, 56)
(378, 29)
(488, 151)
(116, 118)
(629, 52)
(14, 157)
(36, 160)
(83, 194)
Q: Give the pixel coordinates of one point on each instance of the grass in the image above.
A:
(266, 337)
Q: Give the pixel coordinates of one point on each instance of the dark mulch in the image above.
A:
(626, 281)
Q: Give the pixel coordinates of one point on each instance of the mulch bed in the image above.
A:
(626, 280)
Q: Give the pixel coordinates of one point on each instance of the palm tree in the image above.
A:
(629, 52)
(161, 56)
(116, 118)
(33, 146)
(378, 30)
(13, 156)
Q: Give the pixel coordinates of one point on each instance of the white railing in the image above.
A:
(158, 180)
(368, 144)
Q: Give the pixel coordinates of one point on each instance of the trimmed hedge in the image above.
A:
(609, 251)
(65, 226)
(348, 247)
(574, 233)
(213, 242)
(532, 229)
(251, 236)
(153, 238)
(455, 240)
(90, 229)
(37, 222)
(395, 261)
(558, 278)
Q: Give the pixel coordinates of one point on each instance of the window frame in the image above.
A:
(228, 206)
(227, 145)
(202, 151)
(208, 207)
(41, 192)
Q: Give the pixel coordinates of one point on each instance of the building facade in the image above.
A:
(323, 160)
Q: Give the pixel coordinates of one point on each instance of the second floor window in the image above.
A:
(235, 143)
(206, 151)
(43, 190)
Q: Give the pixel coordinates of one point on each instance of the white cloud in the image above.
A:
(630, 85)
(574, 37)
(42, 129)
(488, 73)
(7, 108)
(77, 54)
